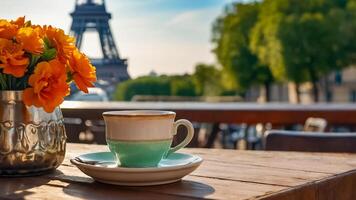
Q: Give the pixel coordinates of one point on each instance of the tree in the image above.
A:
(207, 80)
(302, 40)
(183, 86)
(231, 36)
(146, 85)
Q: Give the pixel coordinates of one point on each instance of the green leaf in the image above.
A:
(49, 54)
(3, 81)
(27, 24)
(34, 59)
(9, 80)
(69, 77)
(47, 43)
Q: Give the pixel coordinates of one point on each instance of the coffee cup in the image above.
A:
(142, 138)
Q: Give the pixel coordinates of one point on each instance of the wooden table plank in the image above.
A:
(225, 174)
(297, 170)
(246, 189)
(191, 186)
(328, 163)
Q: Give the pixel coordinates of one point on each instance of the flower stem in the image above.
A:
(9, 82)
(3, 82)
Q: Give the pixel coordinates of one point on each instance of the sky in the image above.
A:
(165, 36)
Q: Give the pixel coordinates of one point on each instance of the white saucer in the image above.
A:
(101, 167)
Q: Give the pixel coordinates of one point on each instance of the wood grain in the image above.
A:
(224, 174)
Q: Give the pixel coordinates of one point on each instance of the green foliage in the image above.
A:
(302, 40)
(156, 86)
(143, 86)
(260, 42)
(183, 86)
(231, 36)
(49, 54)
(207, 79)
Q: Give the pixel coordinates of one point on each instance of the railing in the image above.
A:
(86, 117)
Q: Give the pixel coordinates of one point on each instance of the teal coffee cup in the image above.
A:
(143, 138)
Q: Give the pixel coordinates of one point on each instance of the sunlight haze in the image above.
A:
(165, 36)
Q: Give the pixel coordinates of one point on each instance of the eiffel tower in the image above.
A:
(92, 16)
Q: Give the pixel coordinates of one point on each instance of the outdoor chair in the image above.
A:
(278, 140)
(313, 124)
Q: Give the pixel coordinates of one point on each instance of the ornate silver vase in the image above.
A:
(32, 141)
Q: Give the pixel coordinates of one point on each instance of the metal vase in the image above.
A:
(32, 141)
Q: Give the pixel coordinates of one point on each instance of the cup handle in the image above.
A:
(190, 134)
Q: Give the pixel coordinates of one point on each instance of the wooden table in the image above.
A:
(225, 174)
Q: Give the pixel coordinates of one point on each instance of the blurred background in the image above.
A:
(270, 51)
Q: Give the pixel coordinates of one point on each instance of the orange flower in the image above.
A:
(49, 86)
(30, 39)
(7, 29)
(20, 22)
(63, 43)
(83, 72)
(12, 58)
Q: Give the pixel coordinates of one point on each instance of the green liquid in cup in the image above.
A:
(139, 153)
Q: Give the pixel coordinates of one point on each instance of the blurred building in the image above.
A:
(342, 86)
(338, 87)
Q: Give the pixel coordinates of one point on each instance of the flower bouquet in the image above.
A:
(37, 66)
(42, 61)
